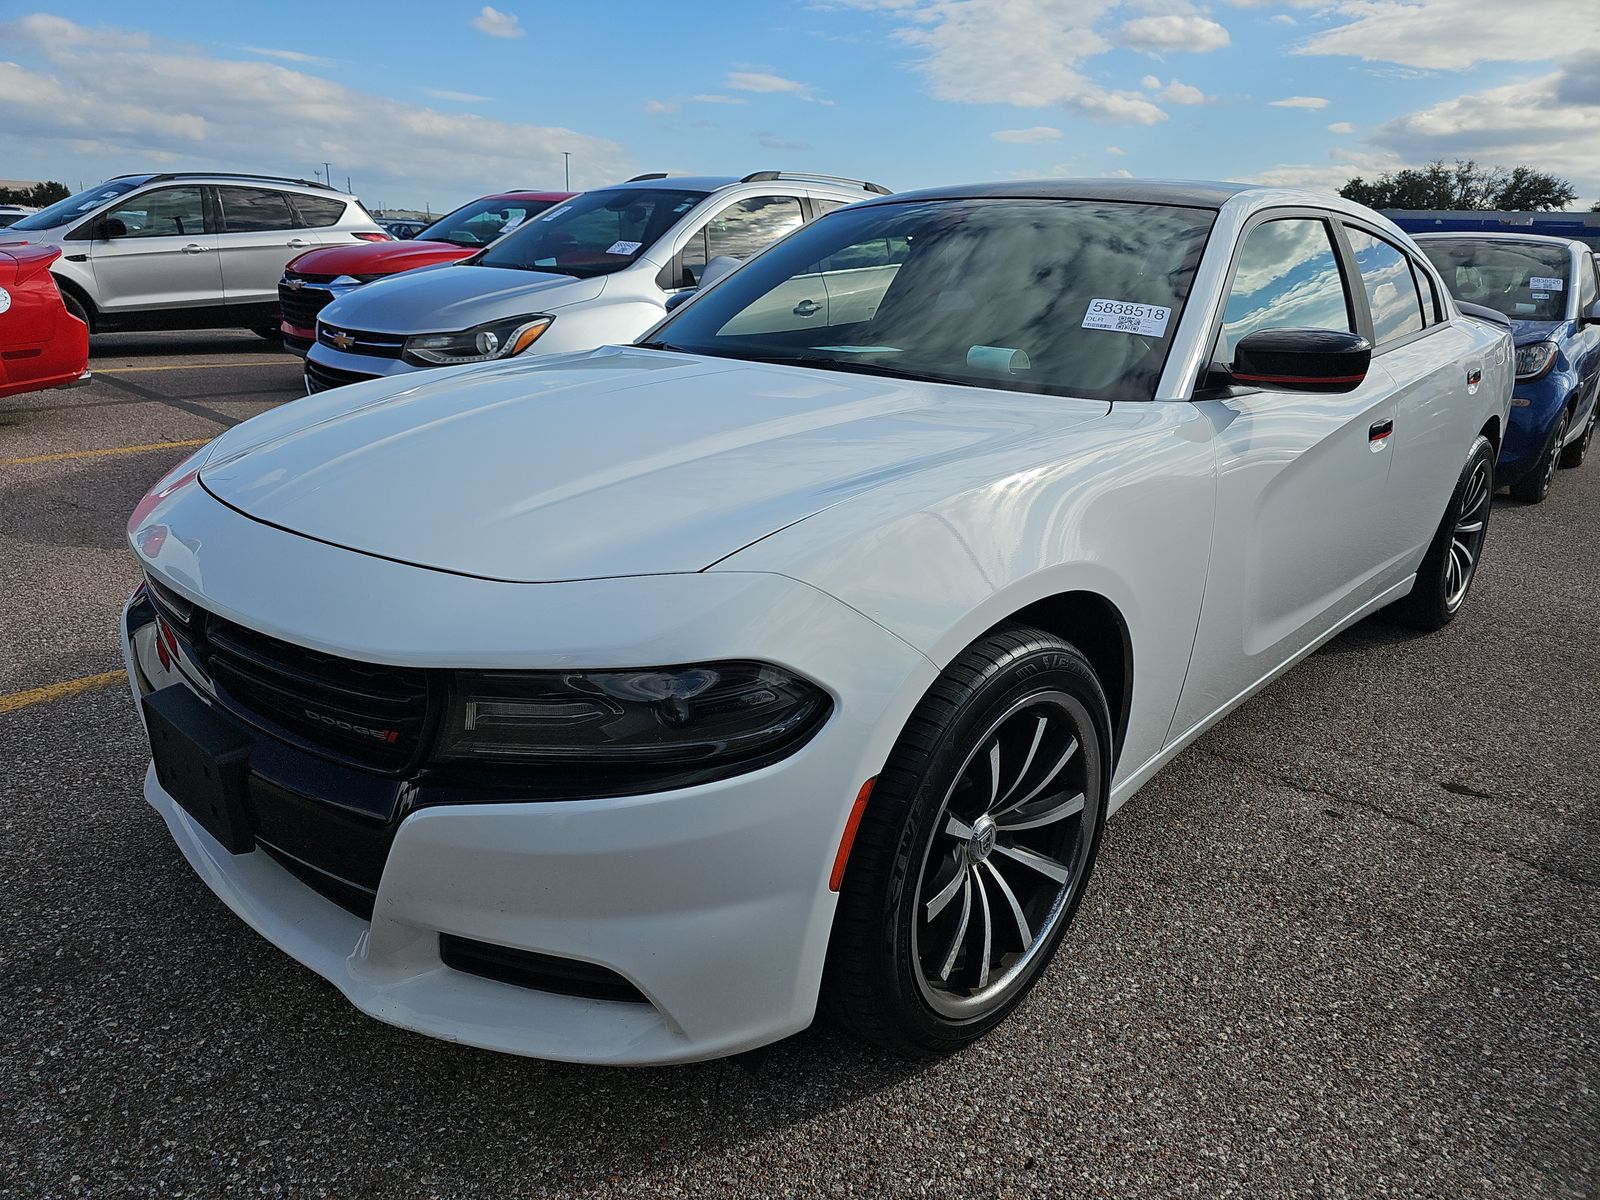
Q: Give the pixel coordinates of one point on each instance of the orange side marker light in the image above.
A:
(849, 838)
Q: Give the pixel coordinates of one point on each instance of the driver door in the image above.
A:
(167, 259)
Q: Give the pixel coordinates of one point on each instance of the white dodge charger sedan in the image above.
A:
(627, 706)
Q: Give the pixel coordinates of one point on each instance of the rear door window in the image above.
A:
(1391, 289)
(254, 210)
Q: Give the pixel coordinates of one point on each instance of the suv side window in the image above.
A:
(821, 207)
(1287, 277)
(254, 210)
(1391, 290)
(316, 212)
(165, 212)
(741, 229)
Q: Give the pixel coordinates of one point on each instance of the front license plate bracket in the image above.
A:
(202, 760)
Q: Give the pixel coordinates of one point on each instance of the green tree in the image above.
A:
(1463, 185)
(37, 196)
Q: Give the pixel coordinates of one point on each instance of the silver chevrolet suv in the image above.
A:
(600, 268)
(188, 250)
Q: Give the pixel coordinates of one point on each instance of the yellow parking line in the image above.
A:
(271, 362)
(55, 691)
(65, 455)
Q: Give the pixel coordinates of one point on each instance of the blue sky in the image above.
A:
(465, 99)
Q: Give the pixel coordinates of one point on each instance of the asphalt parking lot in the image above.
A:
(1347, 945)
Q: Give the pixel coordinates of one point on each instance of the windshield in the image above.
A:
(1067, 297)
(1526, 281)
(592, 234)
(482, 221)
(72, 207)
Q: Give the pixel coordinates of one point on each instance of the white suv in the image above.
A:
(188, 250)
(598, 269)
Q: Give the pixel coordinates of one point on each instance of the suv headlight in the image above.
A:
(481, 343)
(1534, 359)
(706, 714)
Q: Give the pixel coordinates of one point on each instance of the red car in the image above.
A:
(42, 345)
(317, 277)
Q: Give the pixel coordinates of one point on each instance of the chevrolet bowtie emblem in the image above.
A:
(296, 284)
(341, 339)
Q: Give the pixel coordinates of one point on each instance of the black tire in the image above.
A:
(76, 307)
(1533, 487)
(1574, 454)
(271, 333)
(1011, 682)
(1442, 580)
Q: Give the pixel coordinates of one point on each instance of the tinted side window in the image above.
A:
(822, 207)
(318, 211)
(165, 212)
(749, 225)
(1287, 277)
(252, 210)
(1588, 285)
(1391, 290)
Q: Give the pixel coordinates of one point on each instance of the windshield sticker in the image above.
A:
(1541, 295)
(551, 216)
(1148, 320)
(624, 247)
(512, 224)
(1542, 283)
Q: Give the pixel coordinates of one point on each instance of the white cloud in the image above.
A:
(717, 98)
(1175, 92)
(459, 97)
(762, 81)
(498, 24)
(1300, 102)
(1122, 173)
(773, 142)
(110, 97)
(1025, 53)
(1341, 127)
(1329, 176)
(1171, 32)
(1117, 150)
(294, 56)
(1036, 133)
(660, 106)
(1455, 34)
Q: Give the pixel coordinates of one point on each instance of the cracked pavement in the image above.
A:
(1346, 945)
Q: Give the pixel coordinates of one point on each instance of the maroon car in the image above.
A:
(317, 277)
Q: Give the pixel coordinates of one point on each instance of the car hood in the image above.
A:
(376, 258)
(615, 462)
(455, 297)
(1525, 332)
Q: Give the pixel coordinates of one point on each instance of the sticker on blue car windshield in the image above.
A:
(1541, 283)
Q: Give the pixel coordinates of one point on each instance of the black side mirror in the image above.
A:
(112, 227)
(1302, 360)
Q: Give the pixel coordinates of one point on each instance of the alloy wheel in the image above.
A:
(1010, 849)
(1554, 460)
(1466, 539)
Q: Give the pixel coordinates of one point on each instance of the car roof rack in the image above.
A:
(648, 175)
(768, 176)
(165, 175)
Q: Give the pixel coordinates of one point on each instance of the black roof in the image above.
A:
(1189, 193)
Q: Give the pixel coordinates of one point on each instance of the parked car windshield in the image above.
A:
(66, 210)
(592, 234)
(1527, 281)
(1067, 297)
(482, 221)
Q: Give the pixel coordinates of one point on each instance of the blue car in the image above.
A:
(1550, 289)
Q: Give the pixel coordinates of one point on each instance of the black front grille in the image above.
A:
(360, 341)
(301, 305)
(320, 378)
(360, 712)
(543, 972)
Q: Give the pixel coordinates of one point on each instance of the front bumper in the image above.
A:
(711, 901)
(1535, 407)
(329, 368)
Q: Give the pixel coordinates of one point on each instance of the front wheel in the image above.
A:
(977, 844)
(1533, 487)
(1574, 454)
(1451, 563)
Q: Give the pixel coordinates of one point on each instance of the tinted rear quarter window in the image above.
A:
(319, 211)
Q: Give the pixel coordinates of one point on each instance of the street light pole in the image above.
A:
(567, 154)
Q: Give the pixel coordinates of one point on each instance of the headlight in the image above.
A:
(481, 343)
(1534, 360)
(692, 715)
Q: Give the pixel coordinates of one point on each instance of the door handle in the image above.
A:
(297, 244)
(1378, 433)
(806, 308)
(195, 248)
(1474, 377)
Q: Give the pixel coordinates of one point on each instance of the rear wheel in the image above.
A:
(1451, 563)
(1574, 454)
(1533, 487)
(977, 844)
